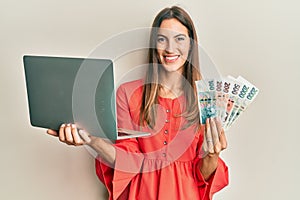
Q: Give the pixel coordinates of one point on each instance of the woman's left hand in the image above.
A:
(213, 143)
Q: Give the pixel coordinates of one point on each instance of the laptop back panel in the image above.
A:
(56, 94)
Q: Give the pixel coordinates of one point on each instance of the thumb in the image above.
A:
(52, 132)
(85, 136)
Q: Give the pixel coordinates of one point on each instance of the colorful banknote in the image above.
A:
(206, 101)
(221, 98)
(226, 98)
(234, 100)
(247, 95)
(230, 88)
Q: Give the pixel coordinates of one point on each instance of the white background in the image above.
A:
(258, 39)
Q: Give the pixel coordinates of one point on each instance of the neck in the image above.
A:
(171, 84)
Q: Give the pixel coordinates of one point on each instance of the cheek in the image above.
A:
(185, 50)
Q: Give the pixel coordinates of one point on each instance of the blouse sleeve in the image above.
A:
(215, 183)
(129, 158)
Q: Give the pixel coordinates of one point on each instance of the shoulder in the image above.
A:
(132, 85)
(130, 89)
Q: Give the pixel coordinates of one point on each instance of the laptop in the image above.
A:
(74, 90)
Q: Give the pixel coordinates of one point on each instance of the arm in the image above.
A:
(214, 142)
(210, 172)
(68, 134)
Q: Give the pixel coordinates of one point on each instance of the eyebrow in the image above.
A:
(180, 34)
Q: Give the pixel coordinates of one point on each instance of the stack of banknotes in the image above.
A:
(225, 98)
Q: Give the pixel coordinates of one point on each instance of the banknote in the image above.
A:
(206, 101)
(245, 86)
(235, 99)
(221, 99)
(210, 83)
(248, 97)
(228, 88)
(226, 98)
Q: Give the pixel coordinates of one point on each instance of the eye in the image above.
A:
(161, 39)
(180, 38)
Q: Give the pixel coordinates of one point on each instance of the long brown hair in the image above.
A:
(190, 72)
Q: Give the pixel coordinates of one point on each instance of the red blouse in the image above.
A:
(162, 165)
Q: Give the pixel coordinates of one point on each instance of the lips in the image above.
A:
(171, 58)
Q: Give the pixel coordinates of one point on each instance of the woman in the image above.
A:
(180, 160)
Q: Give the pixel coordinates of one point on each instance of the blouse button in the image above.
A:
(166, 131)
(167, 110)
(165, 142)
(167, 121)
(164, 154)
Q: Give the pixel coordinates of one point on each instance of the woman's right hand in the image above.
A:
(68, 134)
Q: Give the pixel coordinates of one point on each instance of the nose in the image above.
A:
(171, 46)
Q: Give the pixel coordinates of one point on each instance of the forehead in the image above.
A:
(172, 26)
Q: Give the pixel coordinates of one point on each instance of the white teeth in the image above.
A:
(171, 57)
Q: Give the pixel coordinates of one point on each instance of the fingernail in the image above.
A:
(73, 125)
(63, 125)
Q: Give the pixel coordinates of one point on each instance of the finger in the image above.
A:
(219, 125)
(209, 139)
(52, 132)
(222, 136)
(68, 135)
(204, 143)
(223, 140)
(215, 136)
(214, 131)
(76, 138)
(62, 133)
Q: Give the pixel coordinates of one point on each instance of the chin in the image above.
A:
(172, 68)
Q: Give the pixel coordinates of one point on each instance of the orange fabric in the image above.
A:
(163, 165)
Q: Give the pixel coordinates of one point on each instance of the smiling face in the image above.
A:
(173, 44)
